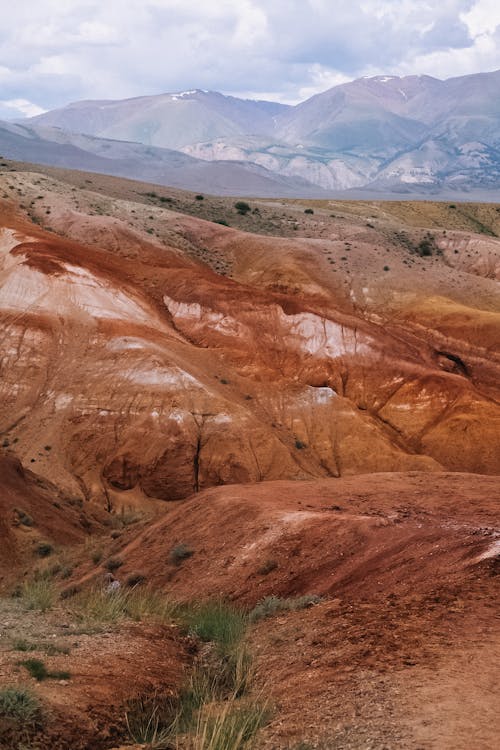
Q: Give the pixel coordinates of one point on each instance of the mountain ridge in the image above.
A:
(382, 133)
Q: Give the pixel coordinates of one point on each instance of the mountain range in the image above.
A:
(386, 134)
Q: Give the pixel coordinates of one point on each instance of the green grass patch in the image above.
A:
(216, 621)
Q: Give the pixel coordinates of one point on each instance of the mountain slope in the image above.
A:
(52, 146)
(167, 120)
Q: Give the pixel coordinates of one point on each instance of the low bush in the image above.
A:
(24, 518)
(151, 722)
(44, 549)
(113, 564)
(179, 553)
(242, 207)
(38, 670)
(267, 567)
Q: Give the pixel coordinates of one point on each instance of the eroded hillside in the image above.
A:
(151, 354)
(336, 365)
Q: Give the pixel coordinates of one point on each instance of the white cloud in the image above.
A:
(483, 17)
(52, 52)
(22, 107)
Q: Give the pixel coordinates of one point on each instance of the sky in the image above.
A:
(56, 51)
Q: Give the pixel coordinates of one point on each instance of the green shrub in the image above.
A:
(179, 553)
(267, 567)
(39, 671)
(242, 207)
(308, 211)
(113, 564)
(44, 549)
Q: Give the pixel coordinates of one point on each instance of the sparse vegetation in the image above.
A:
(24, 518)
(273, 604)
(216, 621)
(38, 670)
(96, 605)
(151, 723)
(232, 727)
(309, 211)
(135, 579)
(20, 705)
(179, 553)
(38, 594)
(267, 567)
(44, 549)
(242, 207)
(113, 564)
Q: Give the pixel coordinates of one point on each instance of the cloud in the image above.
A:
(54, 52)
(15, 108)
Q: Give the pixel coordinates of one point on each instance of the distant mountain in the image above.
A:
(167, 120)
(52, 146)
(384, 133)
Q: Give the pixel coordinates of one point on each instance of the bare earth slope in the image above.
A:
(147, 370)
(338, 371)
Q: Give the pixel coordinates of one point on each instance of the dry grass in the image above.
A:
(38, 594)
(96, 605)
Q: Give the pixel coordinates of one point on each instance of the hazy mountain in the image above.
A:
(167, 120)
(52, 146)
(409, 134)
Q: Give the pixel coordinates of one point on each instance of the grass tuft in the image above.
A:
(19, 705)
(38, 594)
(140, 603)
(273, 604)
(231, 726)
(217, 621)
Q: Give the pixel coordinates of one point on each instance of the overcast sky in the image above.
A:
(56, 51)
